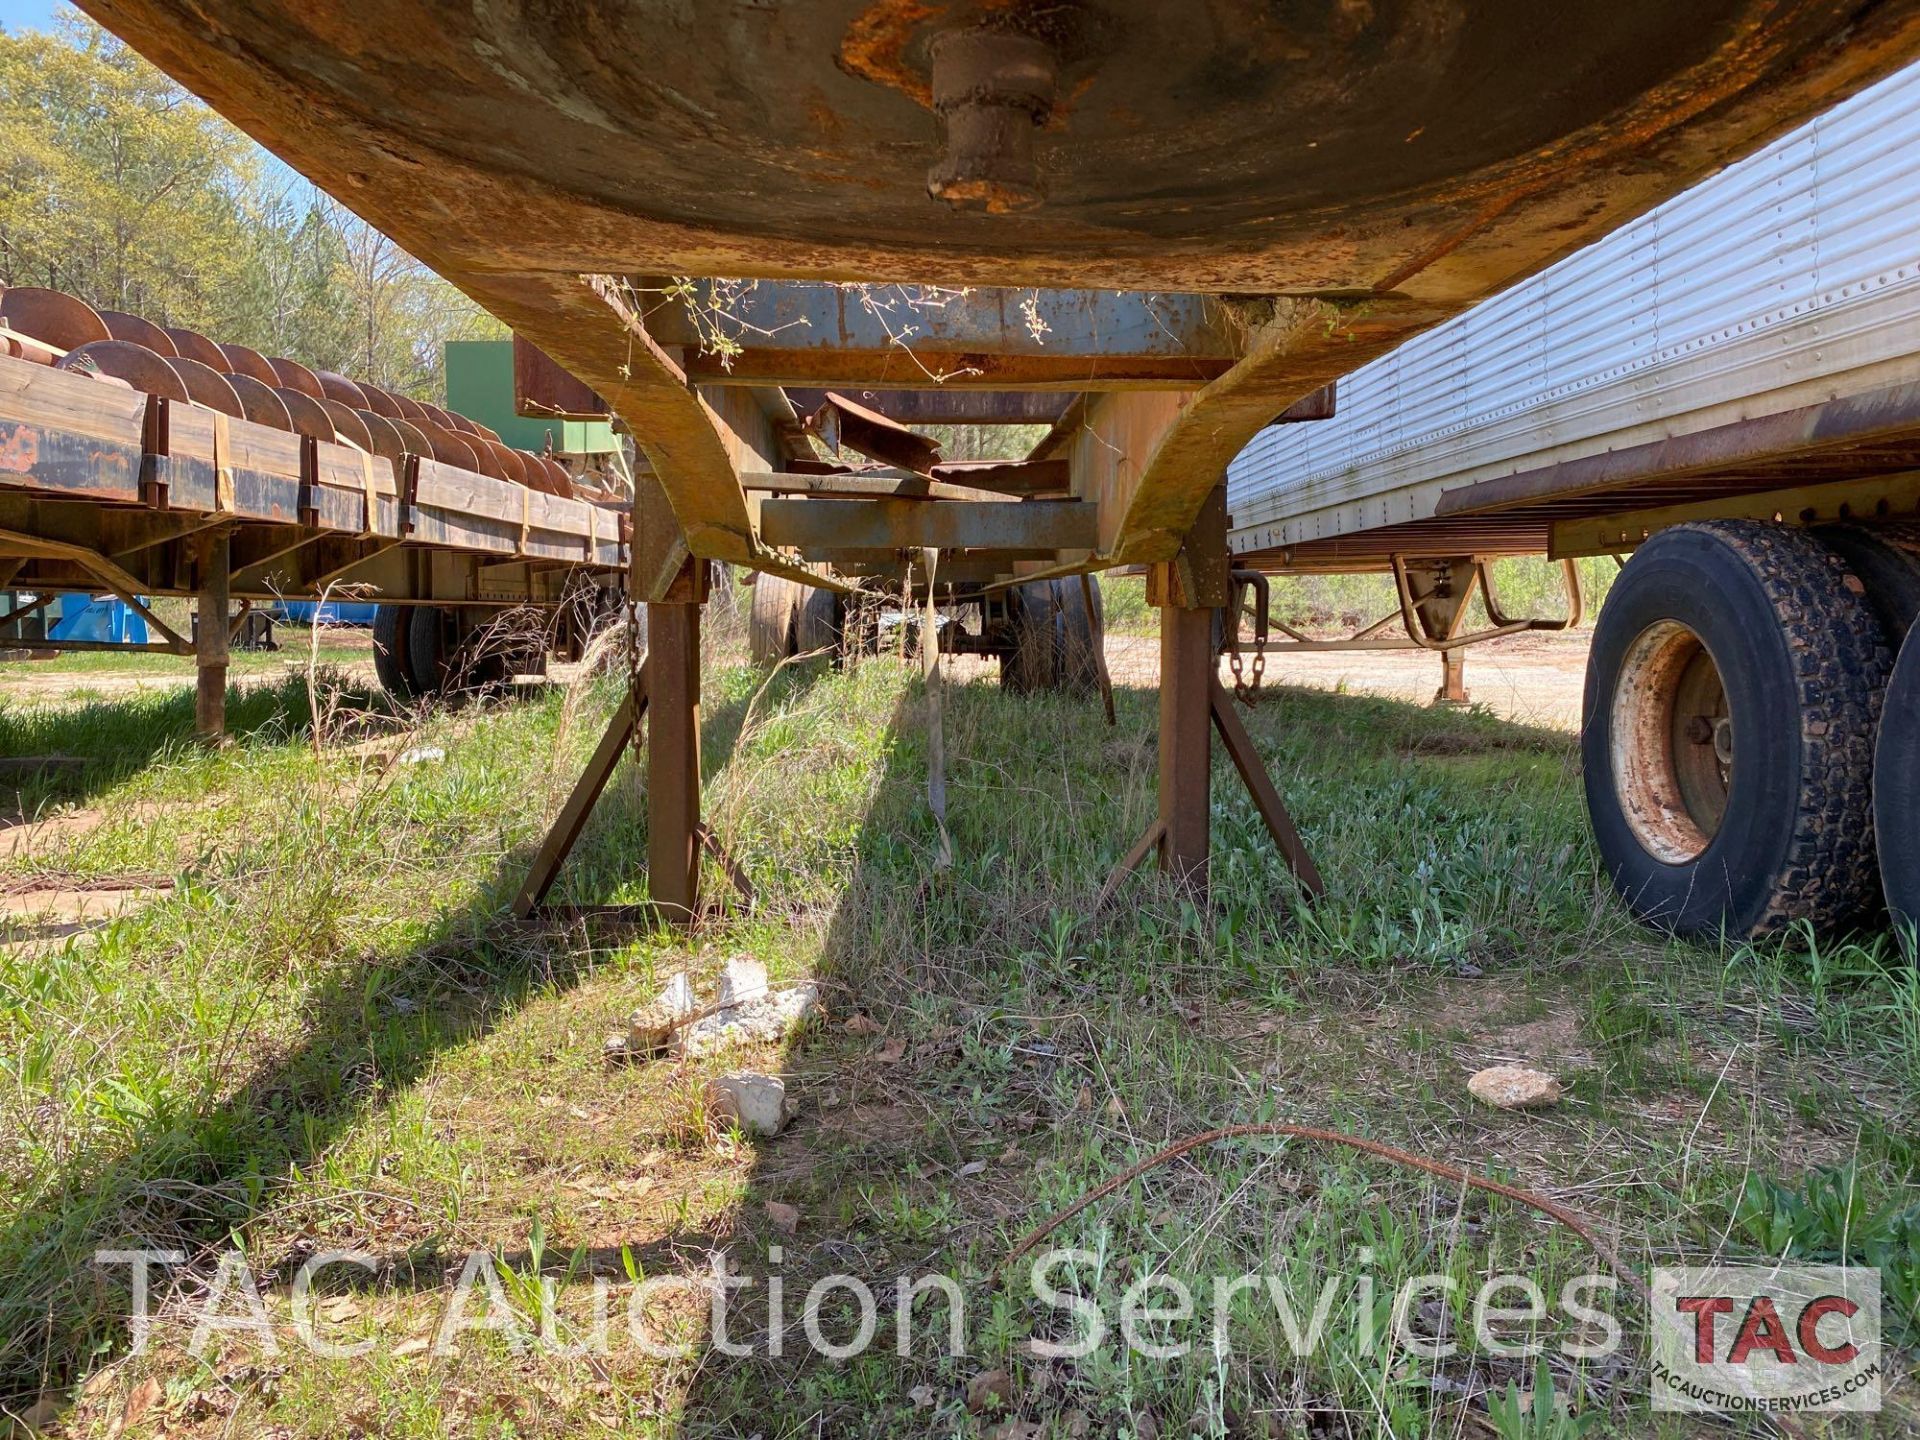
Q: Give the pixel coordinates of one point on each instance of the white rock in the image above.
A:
(743, 979)
(676, 997)
(1514, 1087)
(756, 1103)
(422, 754)
(765, 1021)
(652, 1026)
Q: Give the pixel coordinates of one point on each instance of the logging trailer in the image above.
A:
(1160, 229)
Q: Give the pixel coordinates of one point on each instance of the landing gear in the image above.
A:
(1732, 696)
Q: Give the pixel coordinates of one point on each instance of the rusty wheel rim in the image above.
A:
(1673, 743)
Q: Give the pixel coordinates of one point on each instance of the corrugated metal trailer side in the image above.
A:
(1786, 281)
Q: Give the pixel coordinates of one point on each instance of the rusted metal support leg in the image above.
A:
(1186, 741)
(673, 760)
(210, 644)
(1266, 797)
(572, 818)
(1453, 678)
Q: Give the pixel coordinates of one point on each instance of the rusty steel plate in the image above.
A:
(139, 331)
(309, 415)
(124, 360)
(244, 361)
(1234, 145)
(348, 425)
(52, 317)
(388, 442)
(339, 387)
(260, 401)
(292, 375)
(207, 386)
(195, 346)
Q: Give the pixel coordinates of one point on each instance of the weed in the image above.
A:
(1541, 1416)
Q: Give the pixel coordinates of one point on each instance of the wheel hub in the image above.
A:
(1673, 743)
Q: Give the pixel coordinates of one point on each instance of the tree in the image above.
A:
(114, 184)
(118, 186)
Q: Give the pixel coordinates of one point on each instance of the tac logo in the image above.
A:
(1800, 1338)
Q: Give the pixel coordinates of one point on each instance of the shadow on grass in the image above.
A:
(104, 742)
(190, 1177)
(894, 942)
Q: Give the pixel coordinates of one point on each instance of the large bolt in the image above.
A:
(992, 90)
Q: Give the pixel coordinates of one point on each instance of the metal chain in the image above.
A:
(1247, 691)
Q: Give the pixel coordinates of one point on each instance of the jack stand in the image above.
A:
(1193, 704)
(1453, 678)
(673, 759)
(210, 639)
(665, 698)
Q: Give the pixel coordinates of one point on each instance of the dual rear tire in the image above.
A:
(1054, 637)
(1734, 693)
(425, 652)
(1896, 794)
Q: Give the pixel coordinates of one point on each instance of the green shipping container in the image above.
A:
(480, 386)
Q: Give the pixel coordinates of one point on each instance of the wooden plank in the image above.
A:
(61, 400)
(64, 462)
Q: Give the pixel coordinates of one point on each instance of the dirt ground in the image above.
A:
(56, 680)
(1529, 679)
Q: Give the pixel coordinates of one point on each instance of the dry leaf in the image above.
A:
(861, 1024)
(972, 1167)
(1115, 1109)
(1084, 1100)
(922, 1397)
(144, 1397)
(891, 1051)
(341, 1307)
(416, 1346)
(785, 1218)
(989, 1390)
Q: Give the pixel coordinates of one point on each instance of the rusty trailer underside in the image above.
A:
(1157, 227)
(1282, 193)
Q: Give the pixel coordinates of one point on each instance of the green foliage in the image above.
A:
(1831, 1220)
(119, 187)
(1538, 1417)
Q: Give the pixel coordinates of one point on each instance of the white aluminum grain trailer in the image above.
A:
(1728, 388)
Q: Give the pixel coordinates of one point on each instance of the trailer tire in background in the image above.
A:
(818, 622)
(771, 619)
(451, 659)
(1032, 665)
(1896, 795)
(1078, 635)
(1733, 690)
(391, 666)
(1887, 562)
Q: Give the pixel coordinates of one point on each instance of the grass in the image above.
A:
(326, 1037)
